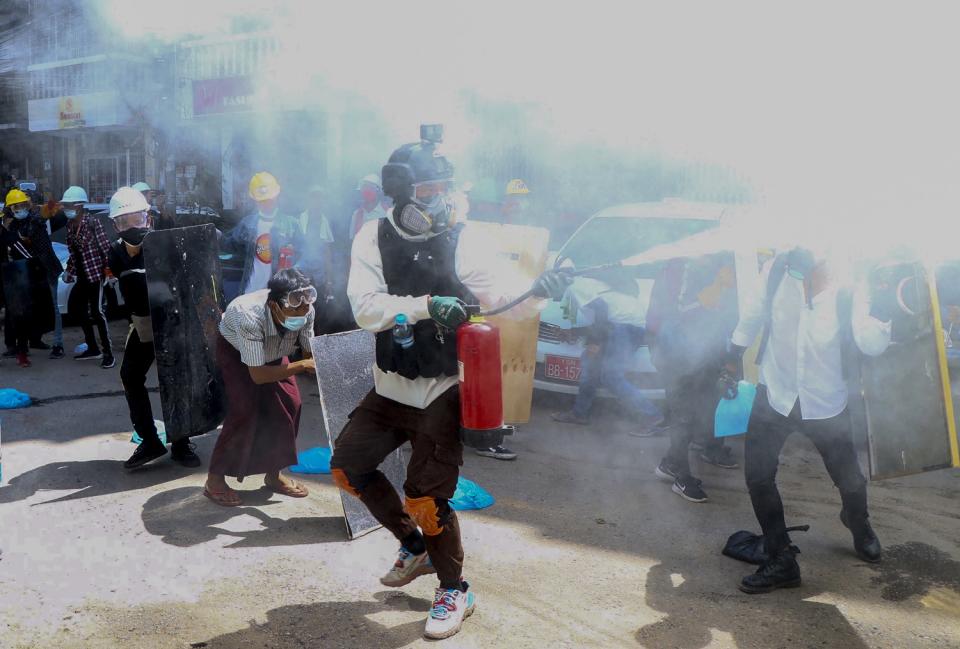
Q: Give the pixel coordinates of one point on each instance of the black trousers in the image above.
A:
(767, 432)
(91, 305)
(137, 359)
(692, 400)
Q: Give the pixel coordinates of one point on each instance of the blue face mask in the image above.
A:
(295, 323)
(70, 214)
(21, 214)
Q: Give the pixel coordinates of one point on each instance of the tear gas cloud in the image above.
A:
(843, 114)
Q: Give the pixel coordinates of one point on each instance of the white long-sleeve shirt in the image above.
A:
(803, 358)
(375, 309)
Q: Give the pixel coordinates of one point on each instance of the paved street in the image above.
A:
(584, 547)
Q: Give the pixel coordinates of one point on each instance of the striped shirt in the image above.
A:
(248, 325)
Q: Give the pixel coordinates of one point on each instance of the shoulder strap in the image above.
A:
(777, 271)
(849, 354)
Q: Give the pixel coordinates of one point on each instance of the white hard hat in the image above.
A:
(142, 187)
(127, 200)
(372, 179)
(74, 194)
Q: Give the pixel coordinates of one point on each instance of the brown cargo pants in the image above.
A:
(377, 428)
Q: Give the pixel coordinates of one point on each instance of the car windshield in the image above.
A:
(605, 240)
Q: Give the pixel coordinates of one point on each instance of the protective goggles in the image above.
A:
(300, 296)
(425, 192)
(132, 220)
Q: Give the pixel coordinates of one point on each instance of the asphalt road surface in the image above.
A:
(584, 547)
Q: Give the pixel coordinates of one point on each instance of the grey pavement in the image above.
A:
(584, 547)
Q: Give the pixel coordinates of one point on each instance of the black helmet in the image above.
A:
(413, 163)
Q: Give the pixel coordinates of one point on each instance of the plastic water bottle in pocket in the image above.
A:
(732, 415)
(403, 332)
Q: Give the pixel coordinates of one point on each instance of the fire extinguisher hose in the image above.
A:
(513, 303)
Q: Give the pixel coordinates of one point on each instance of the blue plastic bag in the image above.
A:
(10, 398)
(732, 415)
(313, 460)
(161, 433)
(470, 495)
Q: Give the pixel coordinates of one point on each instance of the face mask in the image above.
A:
(70, 214)
(21, 214)
(434, 217)
(295, 323)
(134, 236)
(800, 263)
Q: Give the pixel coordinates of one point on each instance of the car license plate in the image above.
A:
(562, 368)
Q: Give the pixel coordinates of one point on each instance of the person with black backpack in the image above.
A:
(808, 322)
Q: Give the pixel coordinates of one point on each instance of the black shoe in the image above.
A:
(39, 344)
(688, 488)
(9, 352)
(183, 453)
(56, 352)
(649, 426)
(146, 452)
(865, 541)
(781, 571)
(497, 453)
(719, 456)
(666, 471)
(89, 355)
(108, 361)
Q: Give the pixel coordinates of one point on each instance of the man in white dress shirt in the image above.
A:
(808, 321)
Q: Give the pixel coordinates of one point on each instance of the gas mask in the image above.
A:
(21, 214)
(435, 217)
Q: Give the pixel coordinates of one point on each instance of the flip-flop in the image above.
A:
(296, 490)
(220, 498)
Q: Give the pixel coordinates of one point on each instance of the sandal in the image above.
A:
(294, 490)
(222, 498)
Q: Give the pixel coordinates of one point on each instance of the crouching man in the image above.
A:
(258, 332)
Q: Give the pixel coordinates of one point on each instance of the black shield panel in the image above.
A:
(28, 295)
(905, 390)
(183, 282)
(345, 376)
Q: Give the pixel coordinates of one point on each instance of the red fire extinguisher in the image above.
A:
(481, 396)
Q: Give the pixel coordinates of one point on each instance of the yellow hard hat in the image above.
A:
(263, 186)
(517, 186)
(15, 196)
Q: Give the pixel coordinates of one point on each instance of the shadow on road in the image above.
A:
(694, 609)
(185, 517)
(329, 624)
(89, 478)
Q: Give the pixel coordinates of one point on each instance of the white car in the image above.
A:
(611, 235)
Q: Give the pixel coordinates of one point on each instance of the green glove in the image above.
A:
(450, 312)
(552, 284)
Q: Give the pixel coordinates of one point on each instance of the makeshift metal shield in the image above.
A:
(183, 283)
(345, 376)
(906, 406)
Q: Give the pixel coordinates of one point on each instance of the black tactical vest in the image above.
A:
(420, 268)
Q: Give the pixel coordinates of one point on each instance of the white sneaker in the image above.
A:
(408, 567)
(450, 608)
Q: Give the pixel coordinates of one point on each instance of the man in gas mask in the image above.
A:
(420, 263)
(807, 321)
(129, 212)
